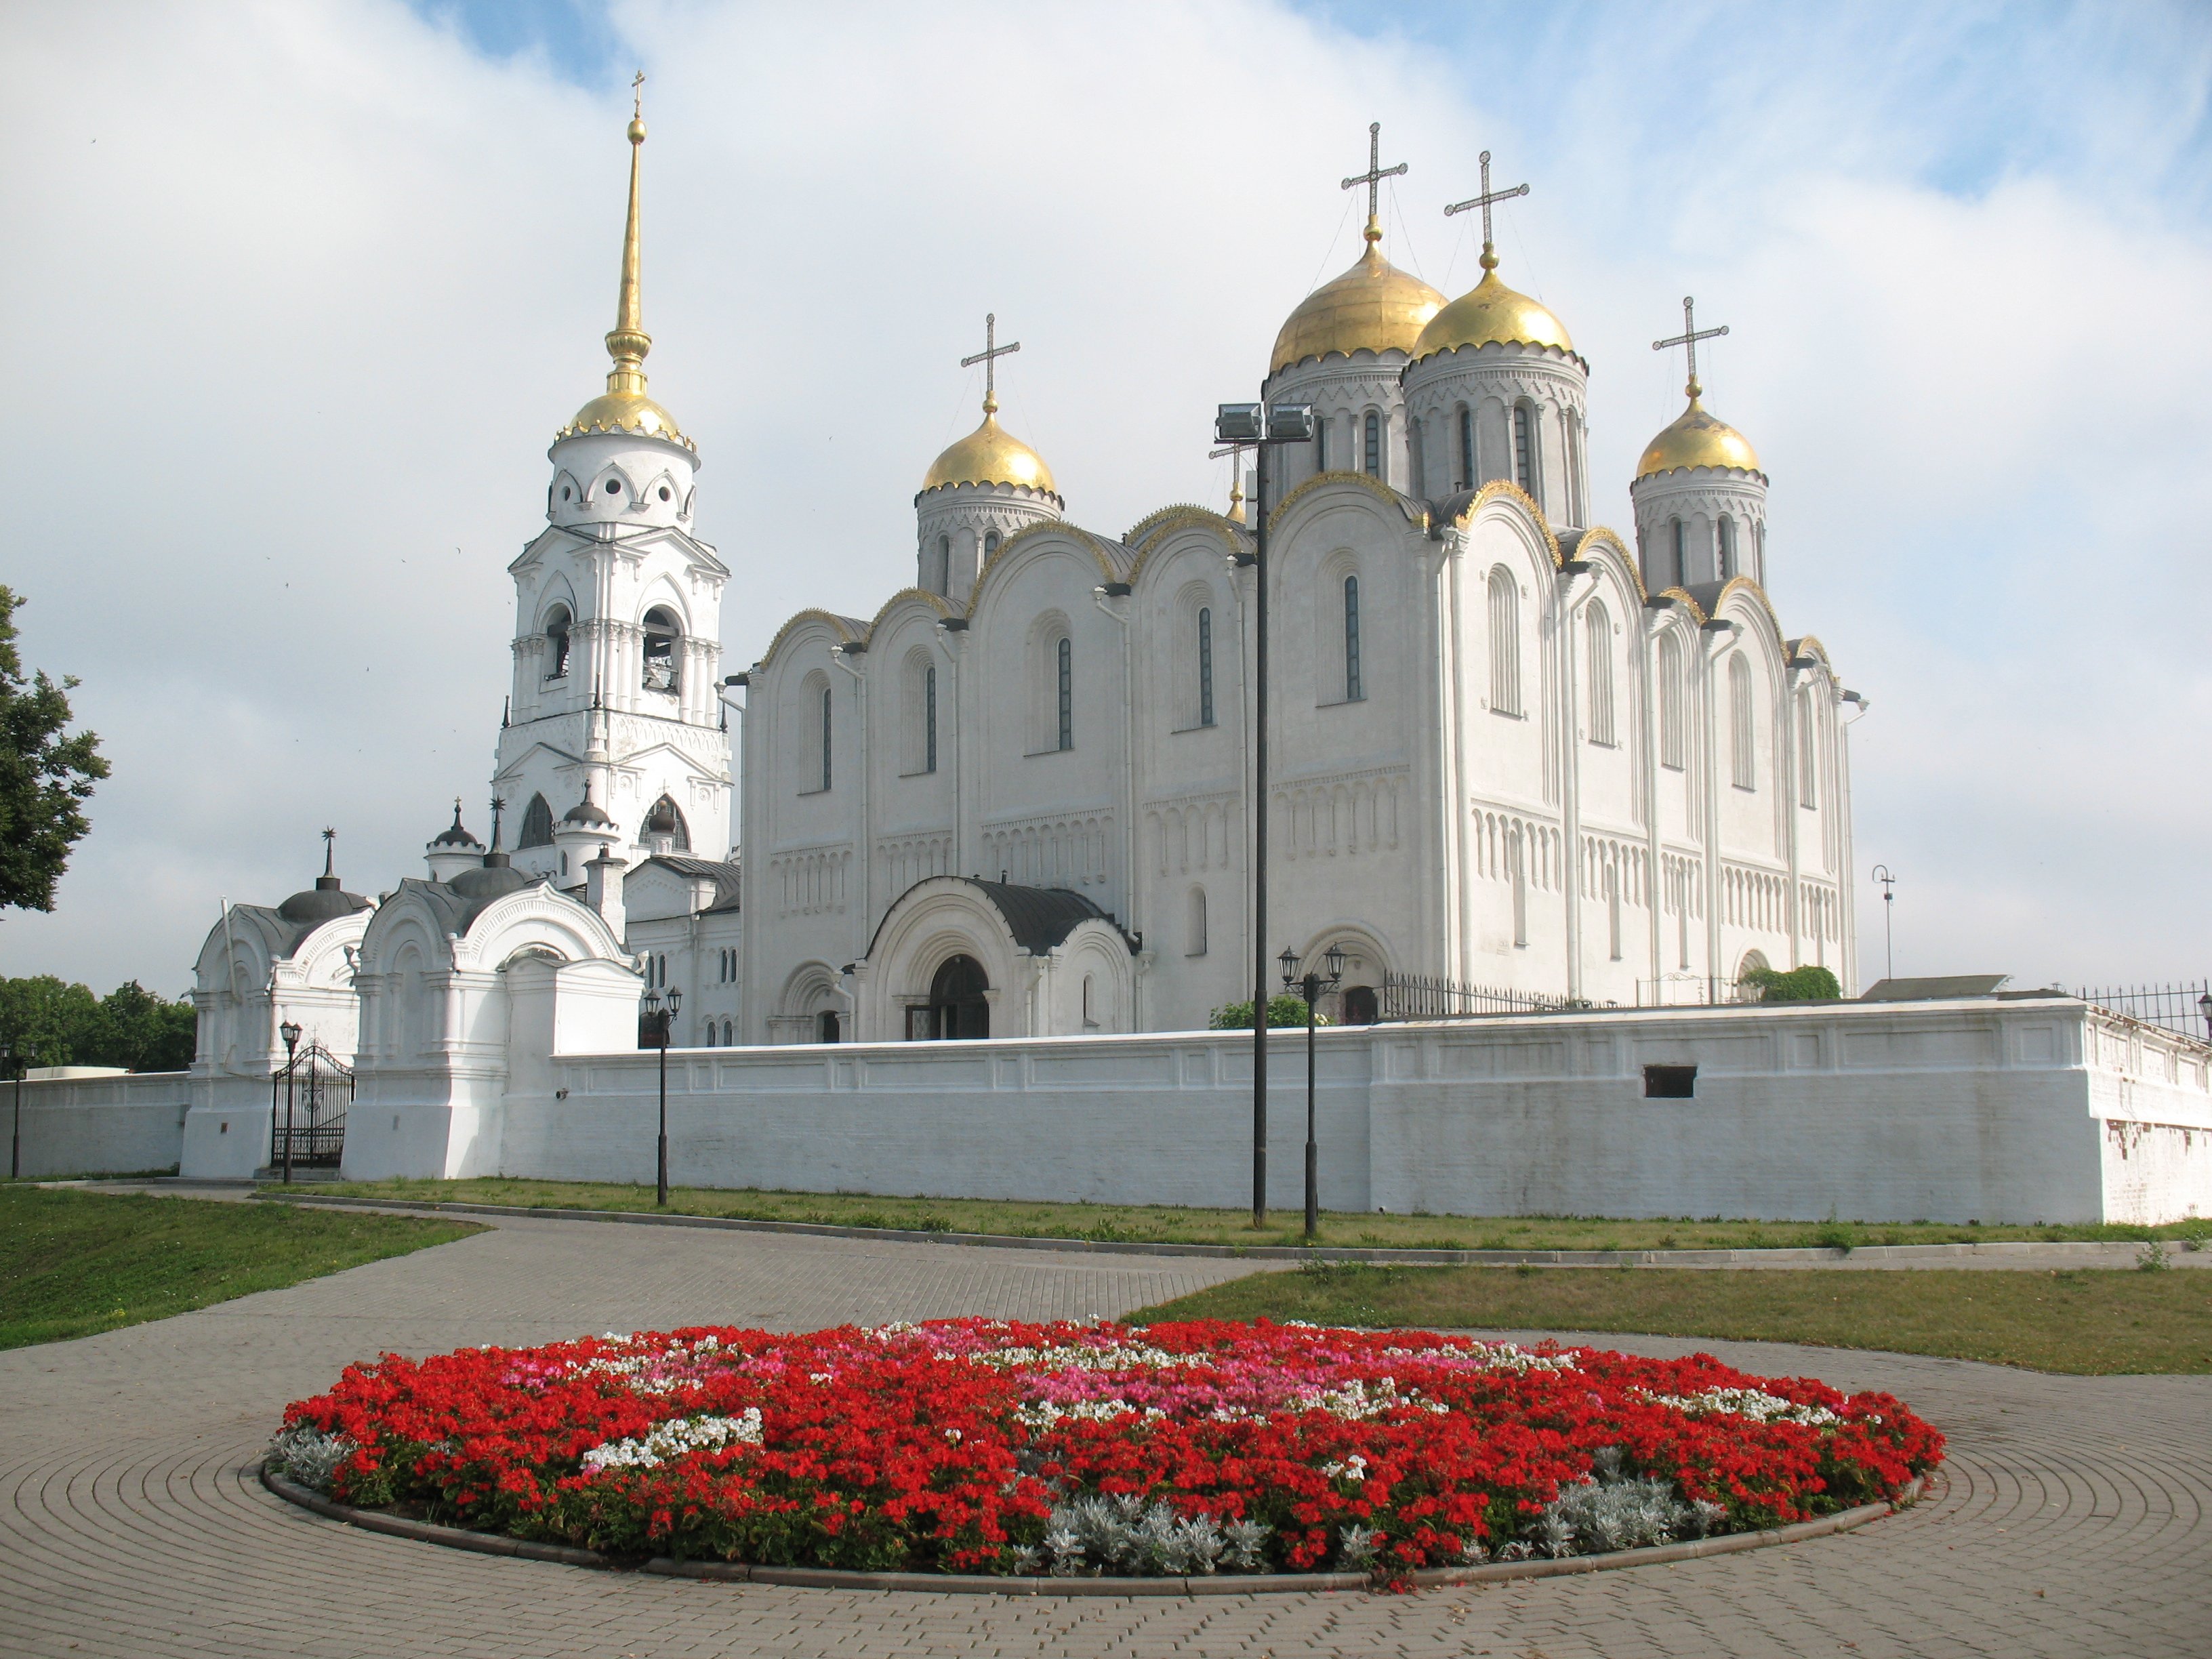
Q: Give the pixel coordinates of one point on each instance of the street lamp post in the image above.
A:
(16, 1140)
(1312, 986)
(1888, 938)
(1261, 427)
(291, 1033)
(661, 1021)
(2203, 1007)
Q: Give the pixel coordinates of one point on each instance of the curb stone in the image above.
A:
(947, 1584)
(1383, 1257)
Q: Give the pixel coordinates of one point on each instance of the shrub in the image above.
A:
(1281, 1011)
(1806, 984)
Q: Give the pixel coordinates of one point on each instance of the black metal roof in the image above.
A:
(723, 874)
(1039, 918)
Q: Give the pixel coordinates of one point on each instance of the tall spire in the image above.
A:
(627, 342)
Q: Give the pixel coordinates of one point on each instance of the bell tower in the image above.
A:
(618, 624)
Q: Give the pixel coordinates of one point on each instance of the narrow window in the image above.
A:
(1728, 547)
(1681, 555)
(1373, 458)
(1466, 447)
(990, 543)
(1670, 701)
(1740, 724)
(1205, 666)
(825, 737)
(1573, 427)
(729, 1034)
(1613, 908)
(929, 718)
(1809, 771)
(944, 564)
(1600, 631)
(1516, 851)
(662, 633)
(1066, 694)
(1195, 926)
(1504, 643)
(1321, 443)
(1524, 472)
(556, 644)
(1354, 690)
(1089, 1023)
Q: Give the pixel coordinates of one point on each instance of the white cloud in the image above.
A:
(313, 285)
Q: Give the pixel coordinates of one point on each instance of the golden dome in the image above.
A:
(1373, 306)
(1492, 314)
(625, 411)
(991, 455)
(1698, 438)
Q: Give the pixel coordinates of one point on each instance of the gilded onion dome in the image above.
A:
(623, 406)
(1698, 438)
(1373, 306)
(990, 455)
(1491, 314)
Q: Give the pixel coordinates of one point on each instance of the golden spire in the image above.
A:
(627, 342)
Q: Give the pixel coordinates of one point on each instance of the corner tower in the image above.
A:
(618, 627)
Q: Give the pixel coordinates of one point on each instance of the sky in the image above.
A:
(301, 290)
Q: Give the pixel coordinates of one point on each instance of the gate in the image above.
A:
(312, 1119)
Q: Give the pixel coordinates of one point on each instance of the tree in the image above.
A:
(44, 776)
(50, 1022)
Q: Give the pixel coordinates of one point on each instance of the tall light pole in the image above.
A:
(1888, 938)
(1260, 427)
(291, 1033)
(1312, 986)
(658, 1022)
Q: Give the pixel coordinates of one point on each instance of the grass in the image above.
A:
(75, 1263)
(1161, 1223)
(2080, 1322)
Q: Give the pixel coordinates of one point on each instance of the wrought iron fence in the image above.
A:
(313, 1121)
(1420, 996)
(2184, 1008)
(1691, 991)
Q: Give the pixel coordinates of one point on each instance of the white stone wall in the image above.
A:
(106, 1125)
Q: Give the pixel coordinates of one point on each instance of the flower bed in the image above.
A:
(979, 1446)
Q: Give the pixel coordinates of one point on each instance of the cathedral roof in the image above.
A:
(1698, 438)
(990, 455)
(1373, 306)
(1490, 313)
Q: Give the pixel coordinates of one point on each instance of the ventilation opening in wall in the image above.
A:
(1670, 1082)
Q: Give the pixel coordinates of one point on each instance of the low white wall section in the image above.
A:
(2014, 1111)
(98, 1125)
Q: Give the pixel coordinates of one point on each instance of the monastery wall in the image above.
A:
(86, 1126)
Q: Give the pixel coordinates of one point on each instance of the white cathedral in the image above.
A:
(1510, 753)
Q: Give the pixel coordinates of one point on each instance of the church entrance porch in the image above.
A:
(958, 1006)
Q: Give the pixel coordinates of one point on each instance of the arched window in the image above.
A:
(1572, 424)
(929, 718)
(1355, 688)
(662, 631)
(917, 714)
(1504, 643)
(1089, 1023)
(826, 1026)
(1524, 448)
(667, 820)
(1741, 730)
(825, 737)
(537, 824)
(1321, 441)
(990, 543)
(557, 643)
(1193, 938)
(1064, 657)
(1466, 480)
(1809, 754)
(1728, 547)
(944, 573)
(1613, 908)
(1670, 701)
(1599, 629)
(1681, 553)
(1205, 665)
(1516, 853)
(729, 1034)
(1371, 457)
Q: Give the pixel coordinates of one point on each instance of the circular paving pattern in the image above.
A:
(2070, 1517)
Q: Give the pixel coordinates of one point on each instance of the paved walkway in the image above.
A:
(2072, 1522)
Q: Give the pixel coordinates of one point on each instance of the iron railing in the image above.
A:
(2178, 1008)
(1422, 996)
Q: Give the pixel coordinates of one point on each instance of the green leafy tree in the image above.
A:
(45, 777)
(1806, 984)
(50, 1022)
(1281, 1011)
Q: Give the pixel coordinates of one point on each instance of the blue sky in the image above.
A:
(319, 279)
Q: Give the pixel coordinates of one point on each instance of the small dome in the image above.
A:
(586, 812)
(454, 835)
(630, 412)
(488, 880)
(1492, 314)
(1698, 438)
(324, 901)
(1373, 306)
(991, 455)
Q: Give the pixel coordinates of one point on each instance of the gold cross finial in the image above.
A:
(637, 96)
(1484, 202)
(988, 356)
(1373, 177)
(1689, 337)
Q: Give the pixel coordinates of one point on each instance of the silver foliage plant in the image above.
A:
(1123, 1536)
(306, 1455)
(1613, 1511)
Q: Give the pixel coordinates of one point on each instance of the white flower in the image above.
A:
(1353, 1467)
(1754, 1404)
(673, 1438)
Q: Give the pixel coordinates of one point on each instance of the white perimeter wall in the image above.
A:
(99, 1125)
(2011, 1111)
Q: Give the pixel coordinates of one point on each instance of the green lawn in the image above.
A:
(76, 1263)
(1164, 1225)
(2082, 1321)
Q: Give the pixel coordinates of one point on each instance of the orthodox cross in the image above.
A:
(637, 96)
(988, 357)
(498, 806)
(1236, 476)
(1689, 337)
(1376, 172)
(1484, 202)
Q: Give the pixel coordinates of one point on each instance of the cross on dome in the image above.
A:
(988, 357)
(1484, 202)
(1688, 338)
(1373, 177)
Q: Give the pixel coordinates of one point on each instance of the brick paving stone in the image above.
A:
(133, 1524)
